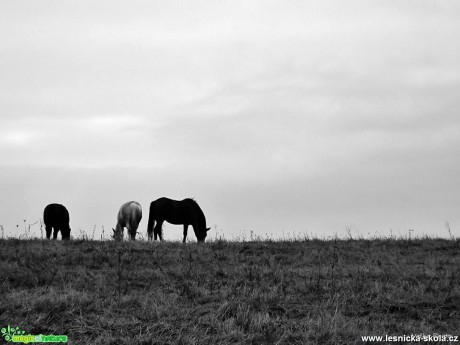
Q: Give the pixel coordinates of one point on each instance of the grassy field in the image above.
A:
(258, 292)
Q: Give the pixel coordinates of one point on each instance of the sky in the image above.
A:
(281, 118)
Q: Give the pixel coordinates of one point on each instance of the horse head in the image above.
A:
(202, 235)
(117, 235)
(65, 232)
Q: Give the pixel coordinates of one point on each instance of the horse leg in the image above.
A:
(55, 233)
(129, 231)
(185, 232)
(133, 231)
(157, 233)
(150, 232)
(158, 229)
(48, 232)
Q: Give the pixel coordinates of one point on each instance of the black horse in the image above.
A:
(56, 217)
(176, 212)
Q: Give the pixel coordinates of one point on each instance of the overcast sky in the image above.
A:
(277, 116)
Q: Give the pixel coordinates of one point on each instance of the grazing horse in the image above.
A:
(186, 212)
(56, 217)
(129, 216)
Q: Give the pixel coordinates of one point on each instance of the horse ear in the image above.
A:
(207, 229)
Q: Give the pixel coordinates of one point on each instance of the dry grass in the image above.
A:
(260, 292)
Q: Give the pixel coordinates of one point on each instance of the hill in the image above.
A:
(261, 292)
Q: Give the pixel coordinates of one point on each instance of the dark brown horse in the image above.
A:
(186, 212)
(56, 217)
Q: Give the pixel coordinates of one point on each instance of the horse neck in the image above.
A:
(199, 219)
(119, 227)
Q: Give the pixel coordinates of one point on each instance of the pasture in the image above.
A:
(223, 292)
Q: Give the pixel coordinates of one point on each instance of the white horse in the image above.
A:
(129, 217)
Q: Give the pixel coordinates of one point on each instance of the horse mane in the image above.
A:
(192, 200)
(196, 206)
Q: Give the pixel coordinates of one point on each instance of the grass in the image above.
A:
(221, 292)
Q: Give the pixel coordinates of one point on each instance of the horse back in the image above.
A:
(56, 215)
(184, 211)
(130, 213)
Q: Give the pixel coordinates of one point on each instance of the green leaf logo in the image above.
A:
(8, 332)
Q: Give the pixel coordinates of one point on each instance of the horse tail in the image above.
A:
(151, 221)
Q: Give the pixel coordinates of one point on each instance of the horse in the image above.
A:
(56, 217)
(186, 212)
(129, 217)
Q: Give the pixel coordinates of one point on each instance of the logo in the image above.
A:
(15, 335)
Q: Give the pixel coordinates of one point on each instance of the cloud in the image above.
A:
(311, 111)
(17, 138)
(110, 140)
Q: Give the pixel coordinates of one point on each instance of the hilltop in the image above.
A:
(221, 292)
